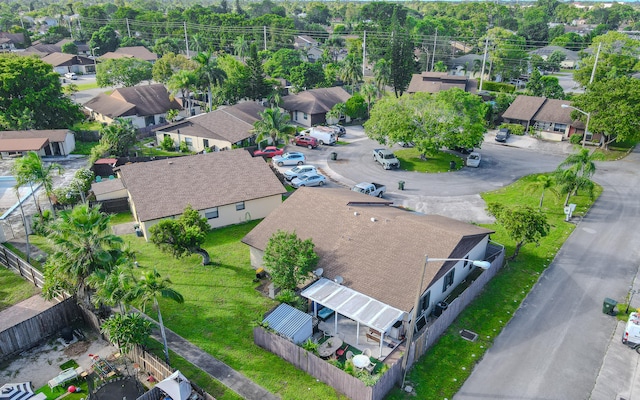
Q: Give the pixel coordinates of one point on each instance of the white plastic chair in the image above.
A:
(367, 352)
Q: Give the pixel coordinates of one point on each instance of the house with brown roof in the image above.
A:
(215, 130)
(434, 82)
(139, 52)
(226, 187)
(375, 250)
(144, 105)
(46, 142)
(545, 116)
(310, 107)
(11, 41)
(63, 63)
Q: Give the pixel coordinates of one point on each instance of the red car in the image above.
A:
(307, 141)
(268, 152)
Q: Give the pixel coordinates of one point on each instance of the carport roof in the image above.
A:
(353, 305)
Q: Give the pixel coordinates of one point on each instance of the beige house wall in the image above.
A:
(197, 142)
(117, 194)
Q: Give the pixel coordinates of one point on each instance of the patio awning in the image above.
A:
(354, 305)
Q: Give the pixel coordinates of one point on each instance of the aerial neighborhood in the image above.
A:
(317, 200)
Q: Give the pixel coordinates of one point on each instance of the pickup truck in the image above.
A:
(386, 158)
(370, 188)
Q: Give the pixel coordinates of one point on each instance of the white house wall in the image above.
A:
(197, 142)
(69, 144)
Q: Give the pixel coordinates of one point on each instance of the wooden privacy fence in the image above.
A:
(33, 331)
(150, 363)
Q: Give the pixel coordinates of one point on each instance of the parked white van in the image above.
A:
(324, 134)
(631, 334)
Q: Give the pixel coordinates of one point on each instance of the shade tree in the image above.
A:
(289, 259)
(523, 224)
(183, 235)
(125, 71)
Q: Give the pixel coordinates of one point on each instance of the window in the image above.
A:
(467, 263)
(560, 128)
(188, 141)
(424, 302)
(205, 143)
(211, 214)
(240, 206)
(162, 120)
(448, 280)
(305, 115)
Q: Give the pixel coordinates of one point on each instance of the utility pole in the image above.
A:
(264, 36)
(364, 52)
(484, 61)
(433, 56)
(186, 39)
(595, 64)
(128, 29)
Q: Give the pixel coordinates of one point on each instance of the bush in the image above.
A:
(184, 147)
(575, 139)
(290, 297)
(515, 129)
(40, 223)
(167, 144)
(498, 87)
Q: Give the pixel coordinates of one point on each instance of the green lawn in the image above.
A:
(14, 288)
(439, 162)
(121, 218)
(87, 86)
(443, 369)
(84, 148)
(221, 308)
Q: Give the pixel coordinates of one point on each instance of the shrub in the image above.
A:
(575, 139)
(290, 297)
(515, 129)
(498, 87)
(184, 147)
(167, 144)
(41, 222)
(310, 346)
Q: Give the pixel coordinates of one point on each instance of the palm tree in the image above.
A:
(183, 81)
(148, 289)
(24, 219)
(543, 182)
(582, 162)
(368, 91)
(570, 182)
(83, 244)
(114, 287)
(30, 168)
(382, 74)
(241, 46)
(209, 74)
(274, 124)
(351, 71)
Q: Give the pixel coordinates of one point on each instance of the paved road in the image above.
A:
(554, 346)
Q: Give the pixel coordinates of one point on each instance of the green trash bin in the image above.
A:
(401, 185)
(334, 155)
(608, 305)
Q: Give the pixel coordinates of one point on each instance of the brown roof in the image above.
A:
(54, 135)
(113, 55)
(27, 144)
(139, 52)
(44, 48)
(524, 108)
(434, 82)
(232, 124)
(377, 249)
(552, 111)
(63, 59)
(141, 100)
(164, 188)
(315, 101)
(15, 38)
(106, 186)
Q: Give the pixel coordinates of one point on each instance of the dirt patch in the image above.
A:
(76, 349)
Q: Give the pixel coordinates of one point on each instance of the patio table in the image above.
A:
(361, 361)
(330, 346)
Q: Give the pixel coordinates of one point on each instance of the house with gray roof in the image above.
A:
(63, 63)
(226, 187)
(373, 249)
(139, 52)
(144, 105)
(45, 142)
(544, 116)
(571, 57)
(215, 130)
(434, 82)
(310, 107)
(11, 41)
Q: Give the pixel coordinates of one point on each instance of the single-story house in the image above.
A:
(310, 107)
(215, 130)
(144, 105)
(109, 189)
(571, 57)
(46, 142)
(83, 48)
(434, 82)
(546, 116)
(304, 42)
(11, 41)
(63, 63)
(139, 52)
(374, 249)
(464, 65)
(226, 187)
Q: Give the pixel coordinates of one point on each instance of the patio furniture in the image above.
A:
(361, 361)
(367, 352)
(349, 355)
(341, 350)
(324, 313)
(102, 367)
(370, 367)
(63, 377)
(329, 347)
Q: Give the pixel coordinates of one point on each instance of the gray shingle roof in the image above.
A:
(141, 100)
(315, 101)
(63, 59)
(164, 188)
(546, 51)
(139, 52)
(379, 250)
(434, 82)
(533, 108)
(523, 108)
(54, 135)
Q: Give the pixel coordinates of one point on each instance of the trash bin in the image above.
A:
(452, 165)
(608, 305)
(334, 155)
(439, 308)
(401, 185)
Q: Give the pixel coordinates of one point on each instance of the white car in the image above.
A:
(299, 170)
(290, 158)
(473, 160)
(312, 179)
(71, 75)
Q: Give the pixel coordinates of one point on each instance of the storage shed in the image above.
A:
(291, 323)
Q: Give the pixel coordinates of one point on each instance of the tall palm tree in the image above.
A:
(83, 244)
(114, 287)
(31, 168)
(582, 162)
(543, 182)
(209, 74)
(351, 71)
(274, 124)
(24, 219)
(151, 287)
(241, 46)
(382, 74)
(369, 91)
(183, 81)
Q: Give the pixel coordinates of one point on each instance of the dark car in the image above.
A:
(340, 130)
(307, 141)
(503, 134)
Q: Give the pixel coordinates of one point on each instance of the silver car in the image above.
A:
(312, 179)
(299, 170)
(290, 158)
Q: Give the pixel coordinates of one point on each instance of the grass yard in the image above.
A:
(443, 369)
(14, 288)
(121, 218)
(87, 86)
(84, 148)
(439, 162)
(221, 308)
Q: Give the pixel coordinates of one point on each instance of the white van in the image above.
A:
(631, 334)
(324, 134)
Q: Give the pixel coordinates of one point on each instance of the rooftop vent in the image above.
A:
(356, 213)
(373, 219)
(338, 279)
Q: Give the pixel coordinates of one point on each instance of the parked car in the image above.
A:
(268, 152)
(307, 141)
(386, 158)
(407, 144)
(299, 170)
(631, 334)
(462, 150)
(503, 134)
(71, 75)
(473, 160)
(311, 179)
(325, 135)
(289, 158)
(370, 188)
(339, 129)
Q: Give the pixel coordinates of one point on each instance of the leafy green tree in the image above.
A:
(169, 64)
(544, 86)
(534, 26)
(575, 172)
(273, 124)
(123, 71)
(55, 34)
(234, 87)
(105, 39)
(522, 223)
(369, 91)
(83, 244)
(181, 236)
(31, 168)
(307, 76)
(256, 85)
(569, 183)
(183, 81)
(166, 45)
(127, 330)
(570, 40)
(209, 74)
(118, 137)
(282, 62)
(618, 58)
(150, 288)
(356, 107)
(319, 14)
(440, 66)
(30, 85)
(543, 183)
(289, 259)
(241, 47)
(508, 53)
(554, 60)
(69, 48)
